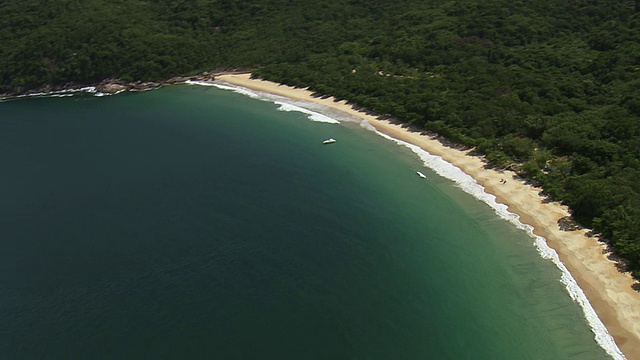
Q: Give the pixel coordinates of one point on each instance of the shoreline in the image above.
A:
(113, 86)
(608, 291)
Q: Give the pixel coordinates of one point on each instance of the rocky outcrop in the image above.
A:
(112, 86)
(568, 224)
(115, 86)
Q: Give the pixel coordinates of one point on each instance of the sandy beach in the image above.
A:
(608, 290)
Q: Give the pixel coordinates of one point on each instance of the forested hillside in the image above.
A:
(548, 87)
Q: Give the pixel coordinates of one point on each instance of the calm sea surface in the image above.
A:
(193, 222)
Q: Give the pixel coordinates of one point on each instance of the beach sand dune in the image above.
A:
(609, 291)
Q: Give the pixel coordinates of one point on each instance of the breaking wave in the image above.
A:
(59, 93)
(315, 116)
(312, 110)
(470, 186)
(316, 112)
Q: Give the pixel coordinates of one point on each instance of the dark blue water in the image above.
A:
(189, 222)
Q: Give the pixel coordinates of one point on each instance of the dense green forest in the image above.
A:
(549, 88)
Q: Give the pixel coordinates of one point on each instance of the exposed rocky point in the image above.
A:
(568, 224)
(111, 86)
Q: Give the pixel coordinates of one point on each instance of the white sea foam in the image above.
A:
(465, 182)
(238, 89)
(33, 94)
(469, 185)
(89, 89)
(315, 116)
(60, 93)
(199, 82)
(101, 94)
(312, 110)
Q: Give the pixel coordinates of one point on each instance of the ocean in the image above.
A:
(196, 221)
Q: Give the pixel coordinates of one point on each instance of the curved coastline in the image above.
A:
(592, 280)
(609, 303)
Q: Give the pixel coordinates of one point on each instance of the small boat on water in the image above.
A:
(421, 175)
(329, 141)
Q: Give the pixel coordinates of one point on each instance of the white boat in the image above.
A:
(421, 175)
(329, 141)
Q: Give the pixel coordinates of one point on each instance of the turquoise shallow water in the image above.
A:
(191, 221)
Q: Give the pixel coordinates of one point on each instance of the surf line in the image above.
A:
(469, 185)
(285, 104)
